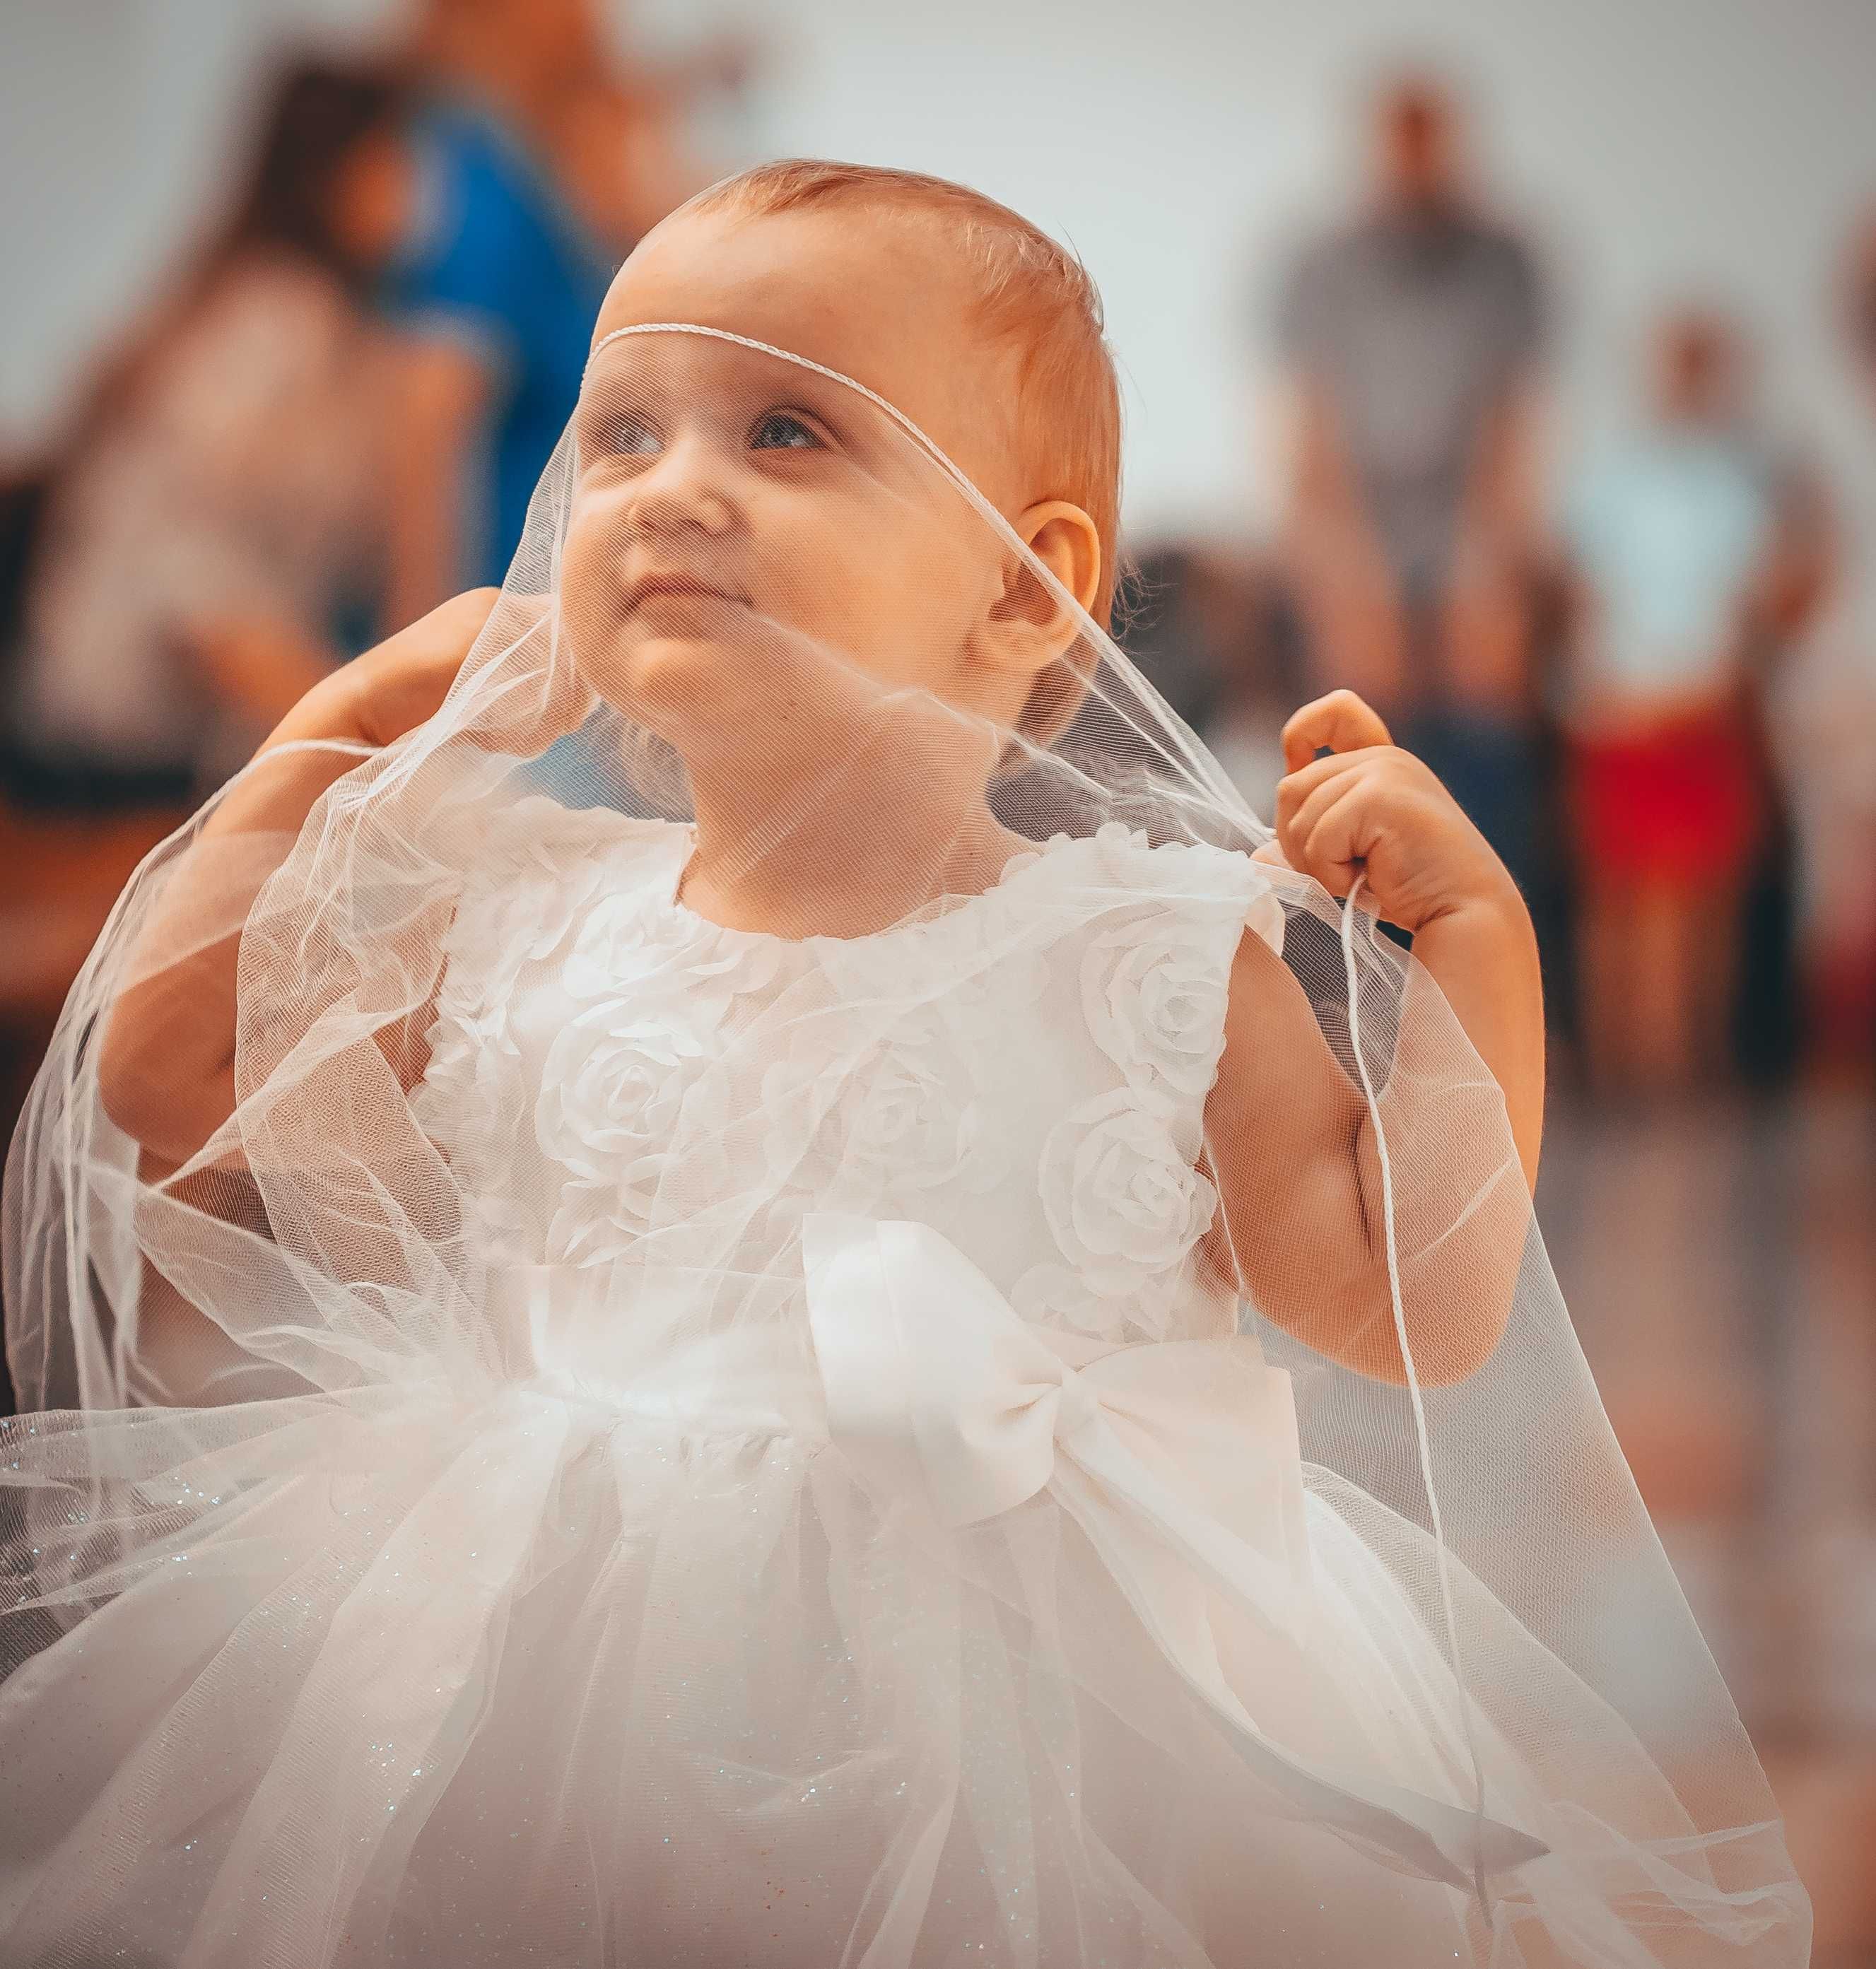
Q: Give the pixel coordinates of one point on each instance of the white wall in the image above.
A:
(1653, 145)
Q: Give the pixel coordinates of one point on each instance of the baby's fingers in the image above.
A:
(1312, 798)
(1329, 841)
(1341, 720)
(1302, 795)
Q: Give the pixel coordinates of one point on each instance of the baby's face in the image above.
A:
(755, 551)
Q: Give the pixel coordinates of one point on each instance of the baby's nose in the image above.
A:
(686, 488)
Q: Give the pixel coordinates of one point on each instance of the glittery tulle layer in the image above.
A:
(401, 1677)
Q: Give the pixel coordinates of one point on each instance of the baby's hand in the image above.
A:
(1371, 808)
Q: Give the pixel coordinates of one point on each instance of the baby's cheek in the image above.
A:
(878, 608)
(590, 590)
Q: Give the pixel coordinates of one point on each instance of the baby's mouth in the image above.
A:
(651, 587)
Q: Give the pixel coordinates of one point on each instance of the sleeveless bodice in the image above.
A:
(618, 1081)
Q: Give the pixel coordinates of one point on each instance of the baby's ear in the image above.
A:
(1029, 624)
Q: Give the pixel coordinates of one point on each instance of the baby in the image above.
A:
(807, 1293)
(943, 304)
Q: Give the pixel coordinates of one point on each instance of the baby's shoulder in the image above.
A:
(1123, 885)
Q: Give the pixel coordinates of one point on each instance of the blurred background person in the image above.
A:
(1698, 549)
(621, 138)
(542, 157)
(1859, 303)
(212, 511)
(1412, 336)
(497, 286)
(1769, 1033)
(199, 544)
(619, 150)
(1826, 727)
(1826, 737)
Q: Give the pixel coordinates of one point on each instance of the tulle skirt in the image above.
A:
(403, 1677)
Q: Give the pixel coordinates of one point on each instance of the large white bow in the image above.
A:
(940, 1396)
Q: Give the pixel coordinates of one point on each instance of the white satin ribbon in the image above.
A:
(941, 1397)
(638, 1342)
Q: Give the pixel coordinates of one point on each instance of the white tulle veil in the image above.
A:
(875, 699)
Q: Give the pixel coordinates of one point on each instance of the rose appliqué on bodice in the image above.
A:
(889, 1100)
(656, 992)
(767, 1077)
(1119, 1183)
(1025, 1070)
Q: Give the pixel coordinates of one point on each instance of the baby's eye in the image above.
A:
(781, 430)
(632, 434)
(616, 436)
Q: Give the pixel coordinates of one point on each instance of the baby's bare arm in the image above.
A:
(1301, 1224)
(1292, 1137)
(1483, 955)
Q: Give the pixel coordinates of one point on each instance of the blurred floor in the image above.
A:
(1720, 1261)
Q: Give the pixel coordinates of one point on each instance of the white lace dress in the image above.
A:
(836, 1245)
(865, 1540)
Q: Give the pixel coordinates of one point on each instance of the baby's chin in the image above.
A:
(685, 681)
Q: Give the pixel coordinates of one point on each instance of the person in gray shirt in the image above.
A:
(1412, 338)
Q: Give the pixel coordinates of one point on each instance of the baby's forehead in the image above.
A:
(886, 299)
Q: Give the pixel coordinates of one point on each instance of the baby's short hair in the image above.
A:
(1032, 294)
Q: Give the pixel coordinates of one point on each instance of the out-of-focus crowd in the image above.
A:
(332, 418)
(1636, 671)
(1639, 683)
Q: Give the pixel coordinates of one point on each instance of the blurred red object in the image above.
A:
(1679, 802)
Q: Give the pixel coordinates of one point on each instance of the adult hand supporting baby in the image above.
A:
(166, 1072)
(389, 691)
(1369, 808)
(396, 686)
